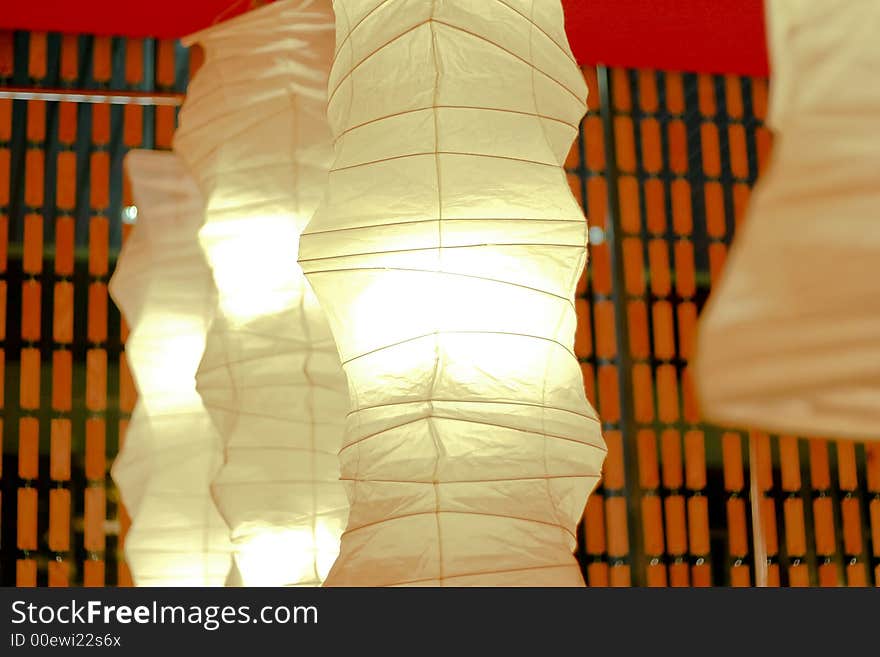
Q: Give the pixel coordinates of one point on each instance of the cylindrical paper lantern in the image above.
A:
(171, 449)
(446, 255)
(790, 339)
(254, 132)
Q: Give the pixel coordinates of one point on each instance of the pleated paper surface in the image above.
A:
(254, 132)
(446, 254)
(790, 340)
(171, 452)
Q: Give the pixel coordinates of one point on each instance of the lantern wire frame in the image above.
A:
(446, 254)
(253, 131)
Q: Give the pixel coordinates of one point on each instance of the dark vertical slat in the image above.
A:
(628, 428)
(586, 176)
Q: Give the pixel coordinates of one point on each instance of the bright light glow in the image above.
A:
(273, 556)
(446, 254)
(252, 268)
(254, 132)
(441, 303)
(171, 450)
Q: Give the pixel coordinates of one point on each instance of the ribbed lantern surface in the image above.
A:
(446, 254)
(790, 339)
(253, 131)
(171, 449)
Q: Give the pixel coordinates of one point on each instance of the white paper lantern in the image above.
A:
(171, 449)
(790, 338)
(254, 132)
(446, 255)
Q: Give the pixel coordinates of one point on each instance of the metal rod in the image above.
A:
(614, 235)
(756, 498)
(93, 96)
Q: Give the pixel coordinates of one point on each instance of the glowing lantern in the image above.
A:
(446, 254)
(790, 339)
(254, 132)
(163, 287)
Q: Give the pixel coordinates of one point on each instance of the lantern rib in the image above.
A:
(549, 493)
(454, 332)
(244, 205)
(449, 329)
(369, 55)
(562, 49)
(404, 516)
(254, 414)
(351, 31)
(473, 401)
(588, 475)
(197, 162)
(219, 173)
(432, 430)
(262, 18)
(450, 248)
(270, 482)
(410, 582)
(572, 93)
(480, 422)
(436, 153)
(278, 448)
(445, 273)
(453, 107)
(250, 386)
(329, 231)
(459, 29)
(501, 2)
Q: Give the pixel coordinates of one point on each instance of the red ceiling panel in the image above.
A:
(715, 36)
(692, 35)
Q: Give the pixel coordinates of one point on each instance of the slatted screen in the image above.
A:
(68, 392)
(664, 168)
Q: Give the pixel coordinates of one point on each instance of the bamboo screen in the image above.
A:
(664, 168)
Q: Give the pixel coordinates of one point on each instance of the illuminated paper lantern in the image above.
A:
(254, 132)
(446, 254)
(171, 449)
(790, 338)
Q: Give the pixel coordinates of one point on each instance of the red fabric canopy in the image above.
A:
(716, 36)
